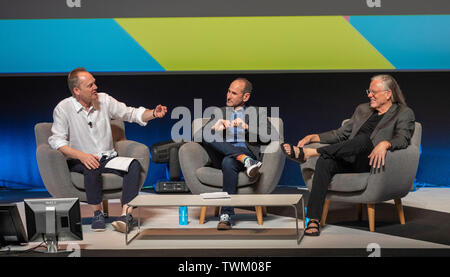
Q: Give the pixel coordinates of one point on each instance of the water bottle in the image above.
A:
(306, 218)
(183, 215)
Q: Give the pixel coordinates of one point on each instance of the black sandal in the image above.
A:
(301, 154)
(314, 234)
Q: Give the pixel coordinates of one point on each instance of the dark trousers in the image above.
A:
(345, 157)
(223, 156)
(93, 180)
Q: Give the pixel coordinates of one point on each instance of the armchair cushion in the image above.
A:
(110, 181)
(213, 177)
(349, 182)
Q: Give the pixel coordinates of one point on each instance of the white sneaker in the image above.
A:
(225, 222)
(253, 167)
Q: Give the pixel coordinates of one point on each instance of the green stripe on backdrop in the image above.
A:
(254, 43)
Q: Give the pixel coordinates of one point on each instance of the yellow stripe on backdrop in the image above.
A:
(254, 43)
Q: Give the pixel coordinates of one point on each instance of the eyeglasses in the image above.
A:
(368, 91)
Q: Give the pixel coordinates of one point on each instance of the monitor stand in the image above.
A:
(50, 238)
(51, 242)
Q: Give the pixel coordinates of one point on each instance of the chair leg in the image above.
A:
(326, 205)
(359, 209)
(259, 214)
(202, 215)
(217, 211)
(105, 207)
(371, 215)
(264, 210)
(401, 215)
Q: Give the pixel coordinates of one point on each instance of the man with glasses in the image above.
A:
(385, 123)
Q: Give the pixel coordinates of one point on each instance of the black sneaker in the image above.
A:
(253, 167)
(225, 222)
(98, 222)
(120, 225)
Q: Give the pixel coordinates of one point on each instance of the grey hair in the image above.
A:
(72, 80)
(389, 83)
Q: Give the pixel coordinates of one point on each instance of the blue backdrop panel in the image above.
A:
(18, 147)
(409, 42)
(59, 45)
(309, 103)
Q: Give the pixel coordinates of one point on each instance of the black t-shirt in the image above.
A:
(370, 124)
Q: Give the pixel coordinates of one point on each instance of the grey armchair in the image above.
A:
(201, 178)
(394, 181)
(60, 182)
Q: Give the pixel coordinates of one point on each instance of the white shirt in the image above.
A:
(71, 124)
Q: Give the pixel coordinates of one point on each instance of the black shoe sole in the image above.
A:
(223, 227)
(254, 171)
(98, 230)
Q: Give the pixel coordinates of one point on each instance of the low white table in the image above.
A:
(236, 200)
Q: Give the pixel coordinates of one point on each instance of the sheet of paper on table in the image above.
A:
(215, 195)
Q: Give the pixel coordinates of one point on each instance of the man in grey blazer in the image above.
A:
(385, 123)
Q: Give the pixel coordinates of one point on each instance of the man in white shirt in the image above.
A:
(81, 131)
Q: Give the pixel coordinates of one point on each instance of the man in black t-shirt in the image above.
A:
(385, 123)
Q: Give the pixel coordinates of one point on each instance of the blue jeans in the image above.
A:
(223, 156)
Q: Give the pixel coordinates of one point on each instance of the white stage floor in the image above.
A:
(276, 234)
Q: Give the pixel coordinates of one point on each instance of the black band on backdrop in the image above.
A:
(32, 9)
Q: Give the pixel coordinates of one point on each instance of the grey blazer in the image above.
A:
(262, 138)
(396, 126)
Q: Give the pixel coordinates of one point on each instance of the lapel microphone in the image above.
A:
(90, 124)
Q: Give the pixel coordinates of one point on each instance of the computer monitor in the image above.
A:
(12, 230)
(52, 220)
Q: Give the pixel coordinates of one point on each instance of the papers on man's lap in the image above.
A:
(120, 163)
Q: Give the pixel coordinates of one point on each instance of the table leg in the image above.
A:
(259, 214)
(296, 222)
(304, 215)
(139, 227)
(126, 230)
(202, 215)
(299, 237)
(139, 219)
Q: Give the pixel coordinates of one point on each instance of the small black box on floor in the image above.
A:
(171, 186)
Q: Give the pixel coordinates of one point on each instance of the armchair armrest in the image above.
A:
(55, 172)
(137, 150)
(271, 170)
(192, 156)
(397, 176)
(134, 149)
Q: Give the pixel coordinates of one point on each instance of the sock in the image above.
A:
(243, 158)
